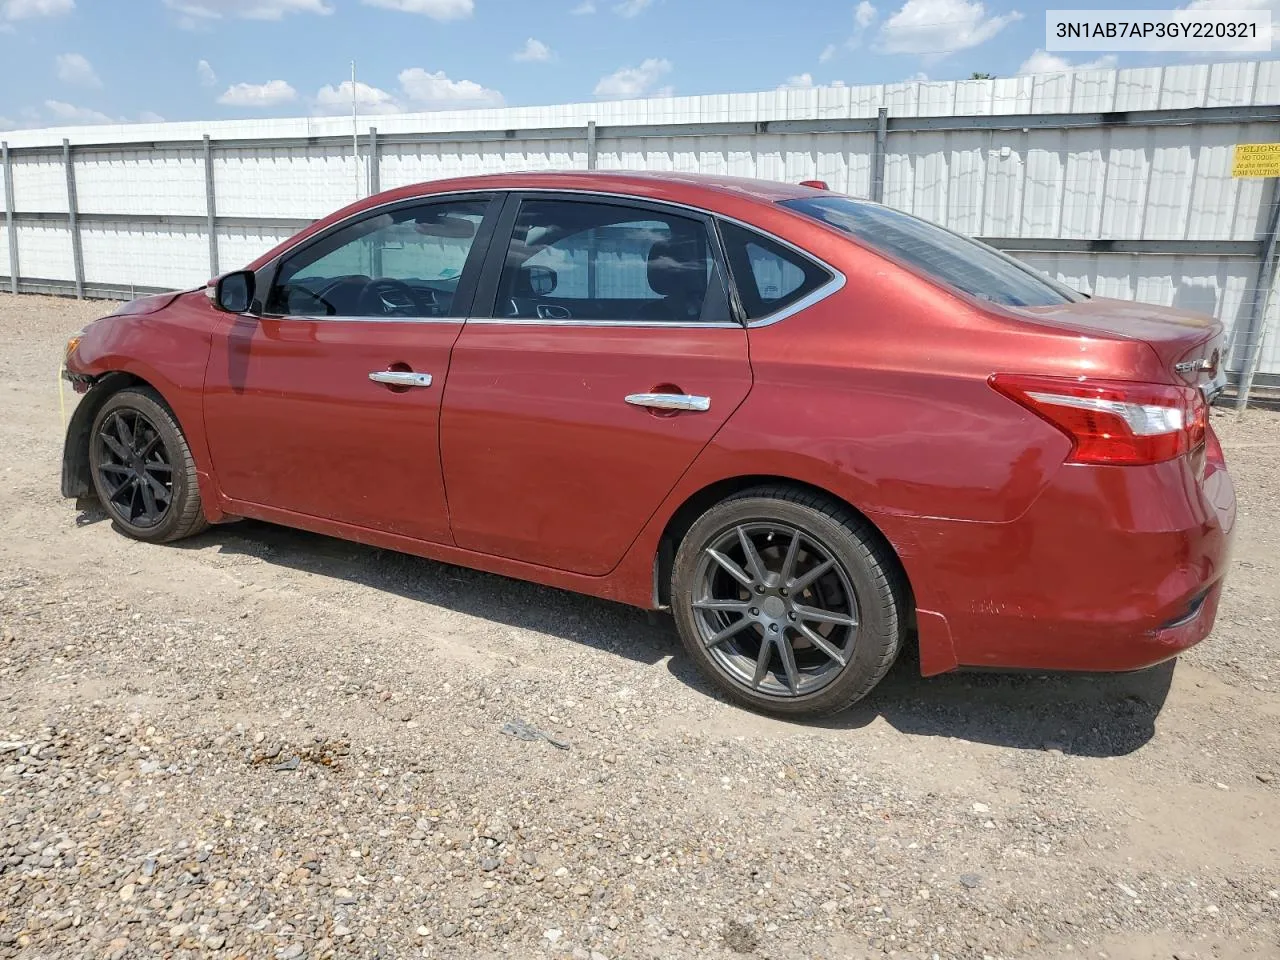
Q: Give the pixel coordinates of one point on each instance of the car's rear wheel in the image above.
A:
(789, 602)
(142, 468)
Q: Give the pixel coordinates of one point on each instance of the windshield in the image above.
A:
(956, 260)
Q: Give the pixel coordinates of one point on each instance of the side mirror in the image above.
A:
(233, 292)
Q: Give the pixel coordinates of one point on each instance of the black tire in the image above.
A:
(879, 603)
(183, 515)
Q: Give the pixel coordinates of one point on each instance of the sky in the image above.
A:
(100, 61)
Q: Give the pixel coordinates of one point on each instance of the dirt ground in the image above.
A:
(265, 743)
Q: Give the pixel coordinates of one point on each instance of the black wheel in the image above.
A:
(790, 603)
(142, 468)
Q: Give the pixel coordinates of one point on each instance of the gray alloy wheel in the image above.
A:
(790, 603)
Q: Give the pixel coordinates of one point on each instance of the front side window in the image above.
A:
(975, 268)
(578, 260)
(406, 262)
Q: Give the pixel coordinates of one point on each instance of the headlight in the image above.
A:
(72, 343)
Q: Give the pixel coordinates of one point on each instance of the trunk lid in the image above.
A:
(1188, 345)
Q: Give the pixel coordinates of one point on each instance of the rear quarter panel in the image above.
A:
(879, 395)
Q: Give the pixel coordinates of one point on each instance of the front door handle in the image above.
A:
(401, 378)
(670, 401)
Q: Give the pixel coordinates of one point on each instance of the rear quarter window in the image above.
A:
(769, 276)
(950, 258)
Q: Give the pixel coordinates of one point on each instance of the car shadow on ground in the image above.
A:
(1092, 715)
(1096, 715)
(613, 627)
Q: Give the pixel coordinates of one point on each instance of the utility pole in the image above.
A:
(355, 131)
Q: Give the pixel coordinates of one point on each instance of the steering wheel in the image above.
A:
(335, 298)
(387, 297)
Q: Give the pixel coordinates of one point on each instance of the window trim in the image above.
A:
(484, 307)
(833, 284)
(468, 279)
(266, 273)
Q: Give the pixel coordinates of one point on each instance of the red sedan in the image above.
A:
(813, 427)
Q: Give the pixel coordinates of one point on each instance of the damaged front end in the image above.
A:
(77, 481)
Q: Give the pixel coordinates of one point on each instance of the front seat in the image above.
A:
(677, 271)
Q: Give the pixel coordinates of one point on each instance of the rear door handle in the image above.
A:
(670, 401)
(401, 378)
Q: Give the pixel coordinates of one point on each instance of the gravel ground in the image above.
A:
(265, 743)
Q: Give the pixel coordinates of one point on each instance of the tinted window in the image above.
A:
(578, 260)
(768, 275)
(403, 263)
(966, 264)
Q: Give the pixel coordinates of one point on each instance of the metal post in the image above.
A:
(210, 207)
(375, 162)
(77, 252)
(1256, 329)
(10, 224)
(355, 131)
(591, 144)
(877, 155)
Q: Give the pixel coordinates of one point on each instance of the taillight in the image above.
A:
(1114, 421)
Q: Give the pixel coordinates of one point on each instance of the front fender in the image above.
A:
(166, 349)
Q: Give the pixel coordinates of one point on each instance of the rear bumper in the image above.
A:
(1112, 568)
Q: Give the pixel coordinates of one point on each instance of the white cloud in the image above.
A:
(205, 72)
(269, 94)
(1044, 62)
(30, 9)
(369, 100)
(533, 51)
(196, 10)
(864, 14)
(801, 81)
(631, 8)
(584, 8)
(68, 113)
(918, 77)
(630, 82)
(150, 116)
(7, 124)
(940, 27)
(435, 9)
(76, 70)
(435, 91)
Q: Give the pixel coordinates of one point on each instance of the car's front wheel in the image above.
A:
(142, 468)
(789, 602)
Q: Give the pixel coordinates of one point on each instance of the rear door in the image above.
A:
(601, 358)
(327, 405)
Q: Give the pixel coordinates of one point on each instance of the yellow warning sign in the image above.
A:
(1256, 160)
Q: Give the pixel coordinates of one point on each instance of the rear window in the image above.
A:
(956, 260)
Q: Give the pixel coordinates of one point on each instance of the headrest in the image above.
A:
(534, 281)
(678, 267)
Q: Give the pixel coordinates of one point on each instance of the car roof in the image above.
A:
(722, 194)
(638, 182)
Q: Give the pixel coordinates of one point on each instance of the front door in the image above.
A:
(607, 362)
(328, 404)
